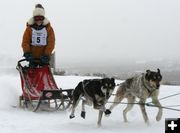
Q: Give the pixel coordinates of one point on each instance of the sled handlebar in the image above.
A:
(22, 60)
(19, 62)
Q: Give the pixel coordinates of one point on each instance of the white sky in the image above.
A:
(97, 30)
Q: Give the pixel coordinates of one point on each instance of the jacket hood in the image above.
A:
(31, 21)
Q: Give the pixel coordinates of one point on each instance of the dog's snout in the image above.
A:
(158, 85)
(107, 94)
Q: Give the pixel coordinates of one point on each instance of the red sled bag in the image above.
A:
(38, 85)
(37, 80)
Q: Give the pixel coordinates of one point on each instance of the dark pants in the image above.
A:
(33, 64)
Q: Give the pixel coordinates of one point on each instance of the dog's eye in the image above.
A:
(159, 77)
(110, 85)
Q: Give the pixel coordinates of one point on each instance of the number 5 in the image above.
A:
(38, 40)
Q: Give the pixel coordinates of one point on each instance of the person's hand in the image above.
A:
(44, 59)
(28, 56)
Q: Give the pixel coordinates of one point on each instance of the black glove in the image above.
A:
(44, 59)
(28, 56)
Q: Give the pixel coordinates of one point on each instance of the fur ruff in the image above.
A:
(31, 21)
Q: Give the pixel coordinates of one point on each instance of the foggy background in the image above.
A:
(115, 37)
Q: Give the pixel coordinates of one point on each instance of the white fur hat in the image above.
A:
(39, 10)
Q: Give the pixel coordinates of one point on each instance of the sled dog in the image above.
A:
(143, 86)
(94, 92)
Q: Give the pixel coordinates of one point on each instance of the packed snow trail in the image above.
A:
(18, 120)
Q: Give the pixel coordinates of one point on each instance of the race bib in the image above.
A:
(39, 37)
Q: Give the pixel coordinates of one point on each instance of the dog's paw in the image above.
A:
(107, 112)
(83, 114)
(126, 121)
(99, 125)
(148, 123)
(71, 116)
(158, 118)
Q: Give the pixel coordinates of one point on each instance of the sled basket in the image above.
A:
(38, 84)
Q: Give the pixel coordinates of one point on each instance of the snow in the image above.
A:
(16, 120)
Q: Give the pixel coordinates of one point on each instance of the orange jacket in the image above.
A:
(37, 51)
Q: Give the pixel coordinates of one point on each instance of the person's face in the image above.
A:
(38, 19)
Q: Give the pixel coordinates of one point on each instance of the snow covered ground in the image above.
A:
(16, 120)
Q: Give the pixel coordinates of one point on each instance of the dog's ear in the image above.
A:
(112, 79)
(102, 81)
(148, 72)
(113, 82)
(158, 70)
(159, 75)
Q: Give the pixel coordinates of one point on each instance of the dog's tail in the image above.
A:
(76, 93)
(120, 91)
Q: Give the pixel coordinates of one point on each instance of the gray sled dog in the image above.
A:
(141, 86)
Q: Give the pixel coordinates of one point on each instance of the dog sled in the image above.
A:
(40, 89)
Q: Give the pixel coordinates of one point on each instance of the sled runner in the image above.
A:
(40, 89)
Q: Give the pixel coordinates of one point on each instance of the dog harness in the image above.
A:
(83, 86)
(150, 91)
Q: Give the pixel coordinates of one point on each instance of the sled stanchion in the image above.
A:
(20, 101)
(26, 86)
(38, 104)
